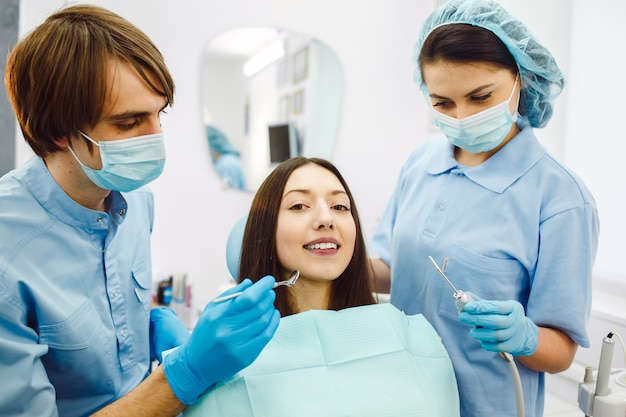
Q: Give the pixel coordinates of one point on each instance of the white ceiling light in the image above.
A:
(243, 41)
(272, 53)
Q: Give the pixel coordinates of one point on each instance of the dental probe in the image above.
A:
(459, 295)
(288, 283)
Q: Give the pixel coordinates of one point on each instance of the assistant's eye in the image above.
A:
(481, 98)
(443, 104)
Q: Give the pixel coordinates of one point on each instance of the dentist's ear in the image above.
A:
(63, 142)
(66, 141)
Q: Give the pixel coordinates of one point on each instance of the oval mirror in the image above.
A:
(268, 94)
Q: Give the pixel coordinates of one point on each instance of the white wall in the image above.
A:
(595, 148)
(596, 138)
(383, 114)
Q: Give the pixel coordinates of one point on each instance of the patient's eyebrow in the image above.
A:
(307, 191)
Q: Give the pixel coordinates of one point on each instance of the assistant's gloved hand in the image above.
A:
(166, 331)
(228, 337)
(500, 326)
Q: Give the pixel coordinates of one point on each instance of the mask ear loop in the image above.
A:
(514, 85)
(89, 139)
(517, 78)
(74, 154)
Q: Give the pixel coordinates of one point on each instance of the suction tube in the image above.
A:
(519, 394)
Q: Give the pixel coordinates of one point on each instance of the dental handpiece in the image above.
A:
(461, 297)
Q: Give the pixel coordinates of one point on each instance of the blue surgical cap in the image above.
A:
(218, 141)
(542, 80)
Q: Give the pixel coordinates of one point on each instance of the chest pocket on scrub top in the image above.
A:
(76, 343)
(489, 278)
(142, 281)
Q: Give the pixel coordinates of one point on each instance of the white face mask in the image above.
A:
(480, 132)
(127, 164)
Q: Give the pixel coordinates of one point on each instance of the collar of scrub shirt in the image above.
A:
(60, 205)
(502, 169)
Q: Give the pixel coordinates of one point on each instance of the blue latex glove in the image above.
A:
(500, 326)
(227, 338)
(166, 331)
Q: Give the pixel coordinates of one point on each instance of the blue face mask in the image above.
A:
(480, 132)
(127, 164)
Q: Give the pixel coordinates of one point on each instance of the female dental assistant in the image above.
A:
(505, 220)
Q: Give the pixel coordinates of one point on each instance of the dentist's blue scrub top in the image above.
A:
(519, 226)
(74, 296)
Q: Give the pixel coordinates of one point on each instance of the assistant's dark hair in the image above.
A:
(259, 256)
(464, 43)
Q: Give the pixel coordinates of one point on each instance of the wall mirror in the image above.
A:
(268, 94)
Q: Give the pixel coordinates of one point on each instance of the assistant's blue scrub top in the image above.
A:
(520, 226)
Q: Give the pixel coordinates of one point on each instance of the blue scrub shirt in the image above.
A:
(519, 226)
(75, 293)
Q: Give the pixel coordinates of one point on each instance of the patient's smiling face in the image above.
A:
(316, 232)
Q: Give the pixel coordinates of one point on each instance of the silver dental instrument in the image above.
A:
(288, 283)
(459, 295)
(462, 299)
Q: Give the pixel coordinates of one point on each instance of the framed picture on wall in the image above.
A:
(246, 117)
(281, 71)
(300, 64)
(283, 107)
(298, 102)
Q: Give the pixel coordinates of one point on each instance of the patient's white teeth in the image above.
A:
(322, 246)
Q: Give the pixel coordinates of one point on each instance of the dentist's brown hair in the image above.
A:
(57, 76)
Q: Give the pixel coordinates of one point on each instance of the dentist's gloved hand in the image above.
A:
(227, 338)
(500, 326)
(166, 331)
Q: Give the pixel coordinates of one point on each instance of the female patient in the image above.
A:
(313, 228)
(336, 352)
